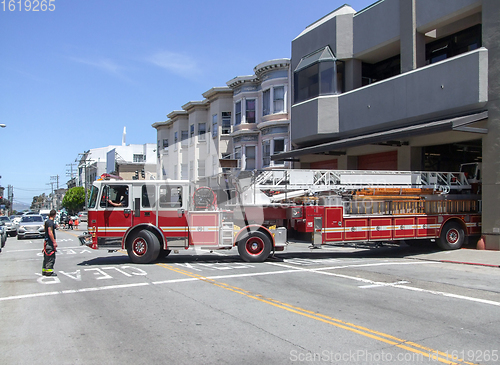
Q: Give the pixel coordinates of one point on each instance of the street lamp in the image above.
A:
(3, 125)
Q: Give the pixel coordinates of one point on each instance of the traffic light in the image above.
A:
(136, 177)
(143, 174)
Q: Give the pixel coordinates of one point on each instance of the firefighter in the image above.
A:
(49, 246)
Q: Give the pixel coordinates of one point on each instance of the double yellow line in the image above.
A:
(424, 351)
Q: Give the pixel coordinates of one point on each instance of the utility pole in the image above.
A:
(10, 197)
(86, 161)
(56, 179)
(70, 172)
(51, 195)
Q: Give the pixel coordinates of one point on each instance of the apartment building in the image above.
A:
(261, 122)
(244, 123)
(192, 140)
(401, 85)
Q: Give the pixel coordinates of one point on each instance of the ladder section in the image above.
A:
(317, 181)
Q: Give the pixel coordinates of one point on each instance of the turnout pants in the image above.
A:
(49, 259)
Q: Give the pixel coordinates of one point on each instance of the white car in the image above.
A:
(10, 227)
(31, 226)
(82, 216)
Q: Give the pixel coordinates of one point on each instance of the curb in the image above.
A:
(469, 263)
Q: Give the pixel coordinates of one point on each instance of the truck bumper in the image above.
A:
(86, 240)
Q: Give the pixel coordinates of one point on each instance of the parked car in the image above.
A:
(82, 217)
(31, 226)
(3, 235)
(10, 227)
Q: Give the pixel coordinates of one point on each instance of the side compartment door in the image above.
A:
(172, 213)
(204, 229)
(334, 230)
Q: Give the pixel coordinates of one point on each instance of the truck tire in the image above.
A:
(144, 247)
(452, 236)
(254, 247)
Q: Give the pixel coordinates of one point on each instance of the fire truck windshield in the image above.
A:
(93, 197)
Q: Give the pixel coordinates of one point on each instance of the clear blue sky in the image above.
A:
(72, 78)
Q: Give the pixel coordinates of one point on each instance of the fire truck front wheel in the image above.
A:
(254, 247)
(452, 236)
(143, 248)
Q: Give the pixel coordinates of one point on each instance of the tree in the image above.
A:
(74, 200)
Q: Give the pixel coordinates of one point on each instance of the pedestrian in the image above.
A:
(49, 246)
(70, 223)
(76, 222)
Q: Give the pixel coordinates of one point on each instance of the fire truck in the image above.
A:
(255, 211)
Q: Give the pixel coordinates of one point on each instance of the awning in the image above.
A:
(460, 124)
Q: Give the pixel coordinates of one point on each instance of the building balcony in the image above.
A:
(455, 86)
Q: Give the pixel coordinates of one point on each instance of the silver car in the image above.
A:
(3, 235)
(31, 226)
(10, 227)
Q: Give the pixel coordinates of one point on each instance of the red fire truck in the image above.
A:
(256, 210)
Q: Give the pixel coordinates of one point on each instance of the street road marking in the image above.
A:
(371, 282)
(379, 336)
(71, 291)
(383, 284)
(39, 249)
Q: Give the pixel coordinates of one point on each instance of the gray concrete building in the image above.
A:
(401, 85)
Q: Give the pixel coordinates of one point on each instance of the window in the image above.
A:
(139, 158)
(191, 131)
(237, 113)
(116, 194)
(184, 171)
(214, 125)
(226, 122)
(170, 196)
(202, 129)
(250, 157)
(279, 146)
(266, 153)
(455, 44)
(279, 99)
(266, 102)
(201, 168)
(184, 138)
(316, 74)
(381, 70)
(176, 140)
(148, 196)
(237, 155)
(165, 143)
(250, 111)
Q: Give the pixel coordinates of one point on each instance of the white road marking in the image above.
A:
(40, 248)
(290, 269)
(383, 284)
(394, 285)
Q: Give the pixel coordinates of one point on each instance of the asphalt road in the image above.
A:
(335, 305)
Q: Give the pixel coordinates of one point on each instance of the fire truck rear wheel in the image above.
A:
(144, 247)
(452, 236)
(254, 247)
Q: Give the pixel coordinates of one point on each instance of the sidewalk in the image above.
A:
(465, 256)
